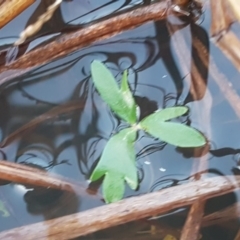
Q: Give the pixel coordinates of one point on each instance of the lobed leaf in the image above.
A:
(174, 133)
(117, 163)
(119, 100)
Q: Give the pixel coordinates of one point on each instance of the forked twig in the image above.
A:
(124, 211)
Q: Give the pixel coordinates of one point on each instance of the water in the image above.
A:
(70, 144)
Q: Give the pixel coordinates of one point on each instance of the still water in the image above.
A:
(71, 143)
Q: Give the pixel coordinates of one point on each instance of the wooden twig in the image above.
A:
(70, 42)
(225, 215)
(22, 174)
(237, 236)
(236, 7)
(193, 223)
(227, 89)
(12, 8)
(223, 15)
(124, 211)
(198, 90)
(53, 113)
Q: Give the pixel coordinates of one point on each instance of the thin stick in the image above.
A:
(198, 90)
(12, 8)
(223, 16)
(53, 113)
(70, 42)
(227, 89)
(225, 215)
(124, 211)
(18, 173)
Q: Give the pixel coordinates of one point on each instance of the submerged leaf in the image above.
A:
(121, 100)
(4, 210)
(169, 113)
(117, 163)
(169, 237)
(174, 133)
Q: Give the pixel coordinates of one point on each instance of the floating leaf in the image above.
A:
(174, 133)
(169, 113)
(121, 100)
(3, 209)
(117, 163)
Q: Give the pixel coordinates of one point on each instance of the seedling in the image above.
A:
(117, 163)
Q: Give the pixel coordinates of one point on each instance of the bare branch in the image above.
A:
(18, 173)
(11, 8)
(124, 211)
(70, 42)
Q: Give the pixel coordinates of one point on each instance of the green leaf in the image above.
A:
(169, 113)
(110, 182)
(121, 100)
(174, 133)
(117, 163)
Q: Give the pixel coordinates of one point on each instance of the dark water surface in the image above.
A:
(71, 143)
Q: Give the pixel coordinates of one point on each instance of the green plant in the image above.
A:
(117, 163)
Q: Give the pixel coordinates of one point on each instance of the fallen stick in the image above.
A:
(223, 16)
(12, 8)
(225, 215)
(22, 174)
(70, 42)
(124, 211)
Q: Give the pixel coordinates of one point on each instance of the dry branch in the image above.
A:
(124, 211)
(198, 90)
(226, 88)
(12, 8)
(236, 7)
(70, 42)
(225, 215)
(18, 173)
(223, 15)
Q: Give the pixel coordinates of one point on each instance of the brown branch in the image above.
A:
(124, 211)
(53, 113)
(12, 8)
(222, 17)
(225, 215)
(198, 90)
(70, 42)
(227, 89)
(237, 236)
(236, 7)
(18, 173)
